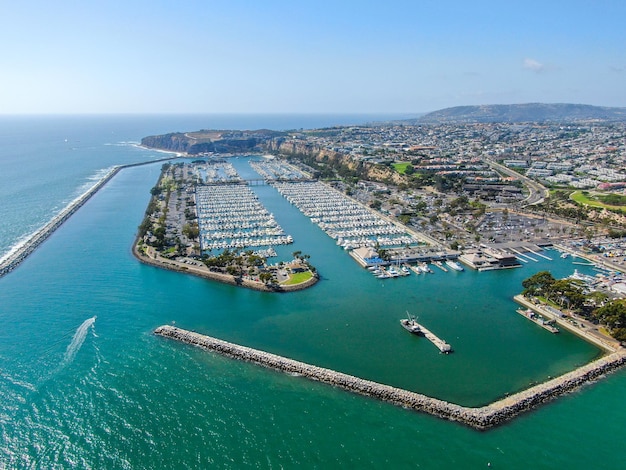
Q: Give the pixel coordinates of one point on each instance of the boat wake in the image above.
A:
(77, 341)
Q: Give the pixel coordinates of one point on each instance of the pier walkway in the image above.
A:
(433, 338)
(484, 417)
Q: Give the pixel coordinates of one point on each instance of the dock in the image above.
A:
(519, 253)
(438, 342)
(538, 320)
(440, 265)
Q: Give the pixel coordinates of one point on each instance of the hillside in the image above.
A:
(530, 112)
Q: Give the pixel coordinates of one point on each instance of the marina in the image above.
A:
(230, 216)
(215, 172)
(350, 223)
(272, 169)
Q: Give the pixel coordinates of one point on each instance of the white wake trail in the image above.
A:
(77, 340)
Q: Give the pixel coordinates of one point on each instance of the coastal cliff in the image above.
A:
(303, 150)
(207, 141)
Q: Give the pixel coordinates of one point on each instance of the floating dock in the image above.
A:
(484, 417)
(538, 320)
(440, 265)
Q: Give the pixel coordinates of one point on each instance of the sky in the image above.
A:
(274, 56)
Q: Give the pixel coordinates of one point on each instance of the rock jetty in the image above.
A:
(14, 258)
(479, 418)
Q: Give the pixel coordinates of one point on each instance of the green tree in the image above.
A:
(538, 284)
(613, 315)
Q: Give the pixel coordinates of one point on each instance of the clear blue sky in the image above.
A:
(233, 56)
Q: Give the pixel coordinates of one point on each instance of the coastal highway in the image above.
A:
(537, 191)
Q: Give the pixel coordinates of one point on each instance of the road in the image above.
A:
(537, 191)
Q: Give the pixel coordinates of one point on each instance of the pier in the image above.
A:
(481, 418)
(538, 320)
(438, 342)
(606, 343)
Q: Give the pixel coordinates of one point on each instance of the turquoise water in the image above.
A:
(108, 394)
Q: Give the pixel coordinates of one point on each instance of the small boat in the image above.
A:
(425, 268)
(416, 269)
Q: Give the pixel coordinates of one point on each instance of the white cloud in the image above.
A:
(533, 65)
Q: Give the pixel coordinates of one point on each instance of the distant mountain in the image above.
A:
(531, 112)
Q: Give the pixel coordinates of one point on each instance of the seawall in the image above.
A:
(485, 417)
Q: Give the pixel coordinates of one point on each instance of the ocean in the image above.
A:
(85, 384)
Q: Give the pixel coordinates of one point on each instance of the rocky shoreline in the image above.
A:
(482, 418)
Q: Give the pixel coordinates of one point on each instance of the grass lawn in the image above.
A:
(297, 278)
(579, 198)
(400, 167)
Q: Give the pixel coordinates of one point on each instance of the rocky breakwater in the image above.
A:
(383, 392)
(479, 418)
(19, 254)
(503, 410)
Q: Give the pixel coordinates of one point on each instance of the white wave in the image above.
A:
(18, 245)
(78, 194)
(77, 340)
(19, 383)
(90, 183)
(122, 143)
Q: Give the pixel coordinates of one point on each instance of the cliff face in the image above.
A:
(175, 142)
(178, 142)
(299, 148)
(266, 142)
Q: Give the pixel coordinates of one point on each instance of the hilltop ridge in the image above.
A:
(528, 112)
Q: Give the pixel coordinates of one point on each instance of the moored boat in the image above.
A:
(454, 265)
(411, 325)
